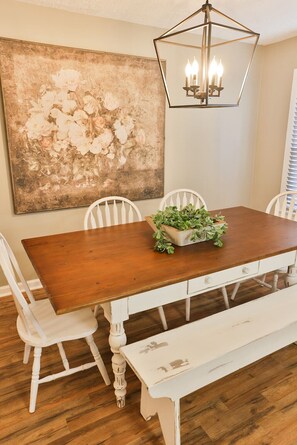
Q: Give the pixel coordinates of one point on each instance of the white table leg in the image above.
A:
(117, 338)
(291, 277)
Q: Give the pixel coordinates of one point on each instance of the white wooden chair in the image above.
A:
(110, 211)
(283, 205)
(39, 326)
(181, 198)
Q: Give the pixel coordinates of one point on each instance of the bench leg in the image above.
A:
(169, 417)
(147, 404)
(168, 413)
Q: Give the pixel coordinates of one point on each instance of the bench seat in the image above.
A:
(178, 362)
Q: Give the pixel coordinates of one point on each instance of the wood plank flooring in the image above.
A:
(253, 406)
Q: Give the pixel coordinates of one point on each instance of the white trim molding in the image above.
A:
(33, 285)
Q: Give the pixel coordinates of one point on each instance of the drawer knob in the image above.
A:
(208, 280)
(245, 270)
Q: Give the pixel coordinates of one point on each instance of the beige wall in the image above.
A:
(279, 62)
(211, 151)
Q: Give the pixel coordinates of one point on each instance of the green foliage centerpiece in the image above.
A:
(204, 226)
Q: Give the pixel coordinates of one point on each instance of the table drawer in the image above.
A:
(277, 262)
(223, 277)
(157, 297)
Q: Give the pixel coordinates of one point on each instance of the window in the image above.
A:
(289, 175)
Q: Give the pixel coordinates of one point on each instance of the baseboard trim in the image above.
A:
(33, 284)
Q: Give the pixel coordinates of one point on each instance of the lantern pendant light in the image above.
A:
(205, 59)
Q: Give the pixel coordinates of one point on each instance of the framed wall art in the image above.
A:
(81, 125)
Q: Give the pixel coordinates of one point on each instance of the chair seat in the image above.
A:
(57, 328)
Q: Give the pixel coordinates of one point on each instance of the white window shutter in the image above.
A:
(289, 175)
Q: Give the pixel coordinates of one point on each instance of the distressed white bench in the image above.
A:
(176, 363)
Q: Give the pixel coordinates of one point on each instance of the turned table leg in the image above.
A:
(117, 338)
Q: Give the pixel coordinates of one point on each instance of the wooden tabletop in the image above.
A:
(83, 268)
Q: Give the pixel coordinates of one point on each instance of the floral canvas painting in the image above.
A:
(81, 125)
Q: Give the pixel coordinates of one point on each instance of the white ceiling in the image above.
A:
(275, 20)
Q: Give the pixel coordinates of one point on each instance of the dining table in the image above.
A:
(116, 267)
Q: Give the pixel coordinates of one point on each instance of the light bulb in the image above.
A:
(195, 69)
(212, 70)
(188, 69)
(220, 70)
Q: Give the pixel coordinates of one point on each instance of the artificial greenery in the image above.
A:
(200, 220)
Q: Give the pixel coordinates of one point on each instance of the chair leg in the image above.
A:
(96, 310)
(263, 279)
(163, 317)
(63, 356)
(275, 281)
(188, 309)
(98, 359)
(27, 351)
(236, 287)
(225, 295)
(35, 379)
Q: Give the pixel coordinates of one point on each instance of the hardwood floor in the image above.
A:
(254, 406)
